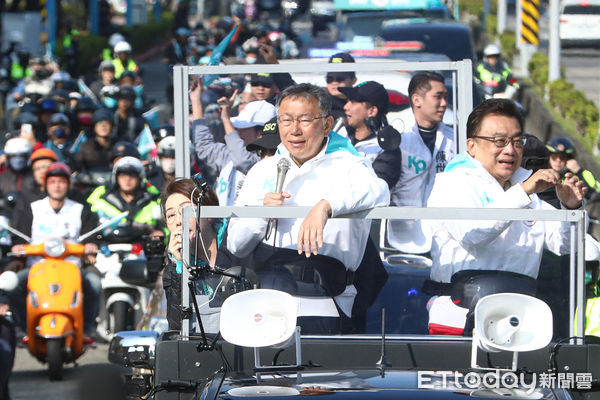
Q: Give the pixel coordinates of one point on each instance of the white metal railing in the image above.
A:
(576, 219)
(462, 90)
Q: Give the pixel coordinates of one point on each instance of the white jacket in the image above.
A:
(419, 168)
(337, 174)
(514, 246)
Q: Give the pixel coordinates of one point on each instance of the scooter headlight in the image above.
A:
(33, 299)
(54, 247)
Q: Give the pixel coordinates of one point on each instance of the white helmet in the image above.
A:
(166, 147)
(17, 146)
(115, 38)
(128, 164)
(122, 47)
(491, 50)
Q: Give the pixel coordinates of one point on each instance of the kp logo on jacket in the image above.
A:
(440, 161)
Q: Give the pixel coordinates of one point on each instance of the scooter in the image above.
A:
(121, 304)
(55, 301)
(54, 305)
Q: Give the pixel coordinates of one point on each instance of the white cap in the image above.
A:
(122, 47)
(256, 113)
(592, 248)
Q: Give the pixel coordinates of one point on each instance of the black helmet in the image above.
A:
(102, 115)
(124, 149)
(126, 92)
(85, 104)
(162, 132)
(561, 145)
(60, 95)
(58, 119)
(24, 117)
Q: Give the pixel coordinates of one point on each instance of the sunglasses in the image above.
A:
(265, 152)
(263, 84)
(337, 78)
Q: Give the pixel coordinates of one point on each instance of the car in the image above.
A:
(580, 23)
(450, 38)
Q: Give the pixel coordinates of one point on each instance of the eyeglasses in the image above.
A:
(265, 152)
(503, 141)
(263, 84)
(171, 214)
(336, 78)
(303, 120)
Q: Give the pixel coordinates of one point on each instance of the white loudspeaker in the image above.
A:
(258, 318)
(510, 322)
(8, 281)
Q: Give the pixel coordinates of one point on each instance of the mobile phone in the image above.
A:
(26, 129)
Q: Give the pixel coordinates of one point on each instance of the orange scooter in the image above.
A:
(55, 305)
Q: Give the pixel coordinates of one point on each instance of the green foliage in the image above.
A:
(538, 70)
(574, 106)
(476, 7)
(491, 23)
(141, 37)
(508, 41)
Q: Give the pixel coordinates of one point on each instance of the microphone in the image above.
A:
(282, 168)
(201, 183)
(339, 122)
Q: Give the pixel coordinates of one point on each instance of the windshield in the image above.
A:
(582, 10)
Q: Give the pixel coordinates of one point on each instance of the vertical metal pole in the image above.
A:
(200, 11)
(94, 17)
(572, 277)
(554, 45)
(581, 300)
(186, 214)
(182, 126)
(51, 18)
(465, 100)
(486, 13)
(518, 11)
(156, 10)
(129, 13)
(501, 17)
(454, 118)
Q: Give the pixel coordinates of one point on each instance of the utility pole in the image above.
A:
(554, 45)
(501, 17)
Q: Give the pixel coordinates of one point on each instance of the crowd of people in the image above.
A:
(88, 151)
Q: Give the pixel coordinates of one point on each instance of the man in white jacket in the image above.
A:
(490, 176)
(327, 173)
(426, 150)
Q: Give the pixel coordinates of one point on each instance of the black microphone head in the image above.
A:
(389, 138)
(200, 182)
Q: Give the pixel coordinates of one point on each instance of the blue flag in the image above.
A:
(145, 143)
(217, 55)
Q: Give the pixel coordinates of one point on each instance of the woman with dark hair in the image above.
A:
(178, 194)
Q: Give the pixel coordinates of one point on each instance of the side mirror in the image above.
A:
(133, 349)
(135, 272)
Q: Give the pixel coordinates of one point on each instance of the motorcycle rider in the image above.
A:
(58, 215)
(131, 192)
(96, 153)
(494, 73)
(17, 177)
(122, 61)
(127, 124)
(58, 137)
(164, 172)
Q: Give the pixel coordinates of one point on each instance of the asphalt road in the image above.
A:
(92, 378)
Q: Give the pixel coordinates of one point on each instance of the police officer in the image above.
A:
(495, 75)
(129, 191)
(562, 160)
(122, 61)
